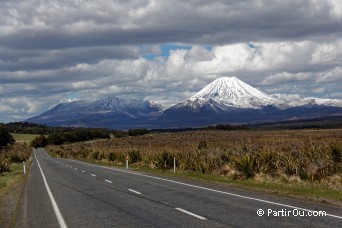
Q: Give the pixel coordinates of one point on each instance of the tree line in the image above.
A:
(5, 138)
(79, 135)
(40, 129)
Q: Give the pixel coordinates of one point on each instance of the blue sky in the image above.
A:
(165, 50)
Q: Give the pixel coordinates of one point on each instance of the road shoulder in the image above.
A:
(10, 202)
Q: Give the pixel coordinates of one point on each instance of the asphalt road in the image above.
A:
(68, 193)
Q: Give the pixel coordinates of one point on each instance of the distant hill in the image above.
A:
(110, 112)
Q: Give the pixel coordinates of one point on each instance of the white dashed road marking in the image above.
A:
(136, 192)
(190, 213)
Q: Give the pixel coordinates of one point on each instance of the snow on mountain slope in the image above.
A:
(110, 104)
(311, 101)
(230, 92)
(68, 106)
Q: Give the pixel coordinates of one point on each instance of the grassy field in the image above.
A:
(293, 162)
(8, 178)
(24, 138)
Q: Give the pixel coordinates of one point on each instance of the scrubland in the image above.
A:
(16, 153)
(283, 155)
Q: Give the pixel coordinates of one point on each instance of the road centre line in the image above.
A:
(58, 214)
(190, 213)
(108, 181)
(136, 192)
(93, 175)
(207, 189)
(83, 171)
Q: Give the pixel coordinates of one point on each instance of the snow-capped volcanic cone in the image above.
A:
(230, 92)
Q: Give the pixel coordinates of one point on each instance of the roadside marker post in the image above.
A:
(127, 162)
(174, 164)
(24, 168)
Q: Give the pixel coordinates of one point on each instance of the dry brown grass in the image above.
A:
(286, 155)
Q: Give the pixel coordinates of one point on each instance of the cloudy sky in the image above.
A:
(52, 51)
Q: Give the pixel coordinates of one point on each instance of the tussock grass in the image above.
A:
(291, 159)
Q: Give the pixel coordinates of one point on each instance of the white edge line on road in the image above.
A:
(190, 213)
(52, 199)
(207, 189)
(108, 181)
(136, 192)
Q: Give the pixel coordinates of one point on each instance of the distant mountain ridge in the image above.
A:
(132, 107)
(225, 100)
(98, 113)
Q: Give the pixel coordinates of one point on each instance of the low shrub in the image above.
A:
(5, 164)
(164, 160)
(247, 165)
(336, 152)
(39, 142)
(112, 156)
(134, 156)
(15, 153)
(94, 155)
